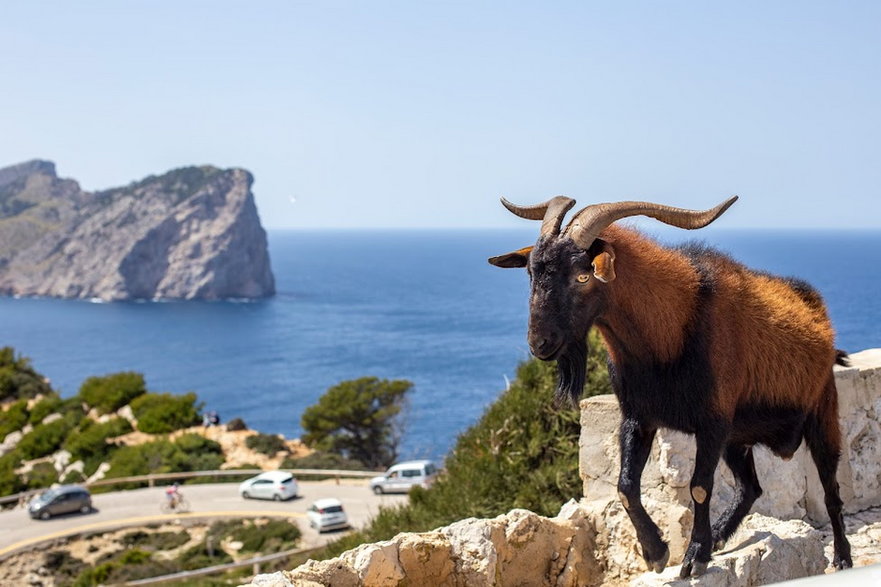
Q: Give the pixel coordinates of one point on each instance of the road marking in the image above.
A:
(115, 524)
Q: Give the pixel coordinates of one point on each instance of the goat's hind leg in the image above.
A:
(636, 443)
(823, 437)
(739, 459)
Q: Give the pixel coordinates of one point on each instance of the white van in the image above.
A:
(401, 477)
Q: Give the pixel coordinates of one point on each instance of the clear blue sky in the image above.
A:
(421, 114)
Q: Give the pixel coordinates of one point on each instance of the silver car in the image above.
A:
(401, 477)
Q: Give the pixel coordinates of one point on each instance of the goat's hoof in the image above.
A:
(692, 569)
(718, 544)
(842, 563)
(659, 565)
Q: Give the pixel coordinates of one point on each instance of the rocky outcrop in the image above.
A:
(192, 233)
(588, 544)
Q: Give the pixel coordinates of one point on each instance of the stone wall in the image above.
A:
(791, 488)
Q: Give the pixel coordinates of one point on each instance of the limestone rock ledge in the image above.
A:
(587, 544)
(191, 233)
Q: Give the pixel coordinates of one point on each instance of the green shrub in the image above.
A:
(236, 424)
(72, 405)
(161, 413)
(10, 482)
(45, 439)
(18, 379)
(203, 454)
(48, 405)
(97, 575)
(73, 477)
(268, 444)
(191, 452)
(128, 565)
(13, 418)
(274, 536)
(265, 537)
(523, 453)
(42, 475)
(201, 556)
(111, 392)
(159, 456)
(89, 440)
(134, 556)
(156, 541)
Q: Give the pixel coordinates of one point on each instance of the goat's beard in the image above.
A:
(572, 371)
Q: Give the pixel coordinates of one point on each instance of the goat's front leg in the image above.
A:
(709, 448)
(636, 443)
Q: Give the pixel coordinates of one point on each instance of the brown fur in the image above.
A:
(758, 320)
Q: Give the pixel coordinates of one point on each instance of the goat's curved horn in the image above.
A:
(551, 213)
(590, 221)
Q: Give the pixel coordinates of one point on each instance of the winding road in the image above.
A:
(138, 507)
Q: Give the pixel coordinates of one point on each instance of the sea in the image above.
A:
(420, 305)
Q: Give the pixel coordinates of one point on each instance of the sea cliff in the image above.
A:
(191, 233)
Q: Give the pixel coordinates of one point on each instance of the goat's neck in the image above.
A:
(650, 303)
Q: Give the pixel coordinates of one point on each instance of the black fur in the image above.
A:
(654, 392)
(571, 374)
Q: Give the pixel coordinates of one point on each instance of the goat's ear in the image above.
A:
(604, 264)
(512, 260)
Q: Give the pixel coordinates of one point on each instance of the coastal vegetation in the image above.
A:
(109, 393)
(268, 444)
(128, 555)
(46, 439)
(359, 420)
(18, 380)
(522, 453)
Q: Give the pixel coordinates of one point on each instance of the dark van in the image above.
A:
(65, 499)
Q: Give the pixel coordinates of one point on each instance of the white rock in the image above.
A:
(10, 442)
(99, 473)
(60, 460)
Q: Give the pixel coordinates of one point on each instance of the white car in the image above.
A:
(401, 477)
(327, 514)
(277, 485)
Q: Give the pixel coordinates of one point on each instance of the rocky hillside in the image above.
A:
(192, 233)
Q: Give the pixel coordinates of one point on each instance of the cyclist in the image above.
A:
(173, 494)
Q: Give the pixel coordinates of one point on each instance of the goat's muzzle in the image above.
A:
(544, 346)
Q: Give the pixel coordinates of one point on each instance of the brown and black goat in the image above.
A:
(697, 342)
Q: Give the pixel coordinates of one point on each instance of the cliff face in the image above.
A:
(192, 233)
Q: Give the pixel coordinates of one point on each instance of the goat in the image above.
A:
(697, 342)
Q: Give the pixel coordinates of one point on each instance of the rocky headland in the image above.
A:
(191, 233)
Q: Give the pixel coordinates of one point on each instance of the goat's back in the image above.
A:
(773, 342)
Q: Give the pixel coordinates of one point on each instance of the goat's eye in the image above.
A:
(583, 278)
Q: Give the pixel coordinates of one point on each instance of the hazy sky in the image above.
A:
(421, 114)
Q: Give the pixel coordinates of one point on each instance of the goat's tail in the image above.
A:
(841, 358)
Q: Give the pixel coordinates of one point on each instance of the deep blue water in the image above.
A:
(417, 305)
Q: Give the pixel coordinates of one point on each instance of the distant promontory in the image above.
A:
(191, 233)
